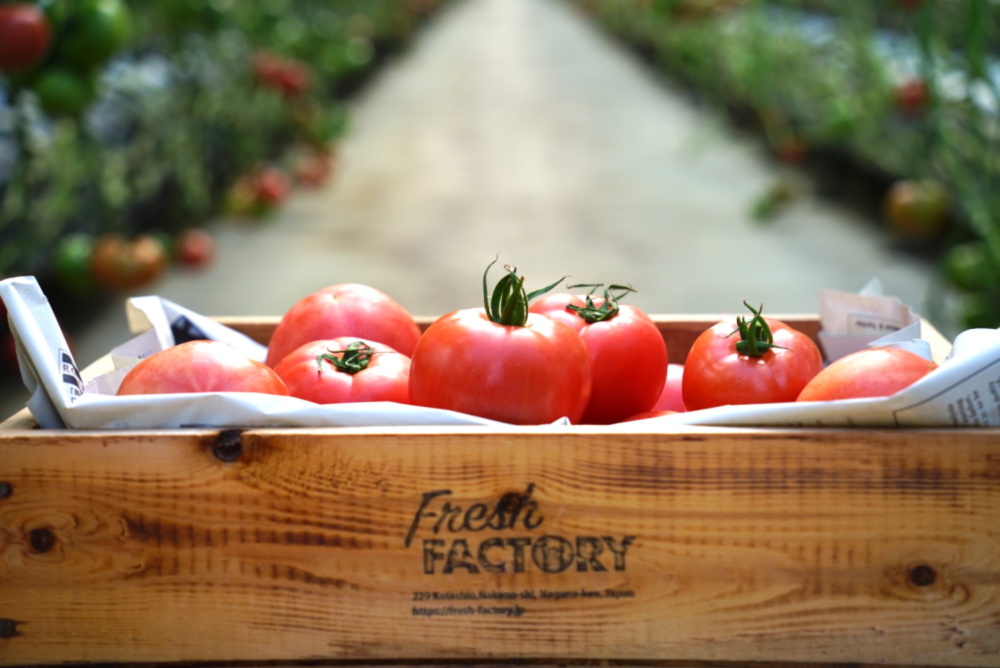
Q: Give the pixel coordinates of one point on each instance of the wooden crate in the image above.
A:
(555, 545)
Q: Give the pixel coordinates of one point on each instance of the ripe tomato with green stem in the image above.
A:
(762, 360)
(345, 370)
(628, 357)
(344, 309)
(502, 362)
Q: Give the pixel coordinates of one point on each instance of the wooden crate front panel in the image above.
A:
(706, 545)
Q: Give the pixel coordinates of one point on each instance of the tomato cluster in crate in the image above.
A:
(525, 358)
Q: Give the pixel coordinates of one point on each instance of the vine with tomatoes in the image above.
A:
(900, 95)
(126, 126)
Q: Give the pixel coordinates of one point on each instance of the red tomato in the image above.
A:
(201, 366)
(121, 264)
(272, 186)
(501, 362)
(345, 369)
(195, 247)
(628, 357)
(671, 398)
(873, 372)
(344, 309)
(740, 362)
(266, 67)
(25, 36)
(288, 75)
(911, 97)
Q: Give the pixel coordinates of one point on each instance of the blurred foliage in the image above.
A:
(143, 115)
(898, 90)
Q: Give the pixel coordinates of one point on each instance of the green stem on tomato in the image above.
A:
(508, 304)
(755, 336)
(356, 357)
(608, 308)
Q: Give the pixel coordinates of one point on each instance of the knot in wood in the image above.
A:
(5, 490)
(41, 539)
(922, 575)
(228, 445)
(8, 628)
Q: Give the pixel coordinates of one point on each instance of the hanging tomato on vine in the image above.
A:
(25, 36)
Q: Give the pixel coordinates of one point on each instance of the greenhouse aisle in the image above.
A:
(514, 127)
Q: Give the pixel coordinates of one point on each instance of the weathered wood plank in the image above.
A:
(705, 545)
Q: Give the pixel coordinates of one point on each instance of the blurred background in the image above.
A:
(235, 156)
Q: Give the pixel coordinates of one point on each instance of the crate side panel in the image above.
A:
(744, 545)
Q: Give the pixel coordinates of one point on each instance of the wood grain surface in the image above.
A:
(715, 545)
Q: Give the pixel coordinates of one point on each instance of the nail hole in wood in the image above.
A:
(922, 575)
(8, 628)
(228, 445)
(42, 539)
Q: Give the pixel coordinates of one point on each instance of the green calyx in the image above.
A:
(608, 308)
(353, 359)
(755, 336)
(508, 305)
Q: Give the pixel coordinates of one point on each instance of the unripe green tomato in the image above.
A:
(62, 92)
(967, 267)
(71, 263)
(96, 30)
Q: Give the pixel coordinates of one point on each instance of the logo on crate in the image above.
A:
(70, 375)
(507, 536)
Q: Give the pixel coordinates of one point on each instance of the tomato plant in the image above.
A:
(502, 362)
(873, 372)
(740, 362)
(628, 357)
(120, 264)
(345, 369)
(344, 309)
(25, 35)
(200, 366)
